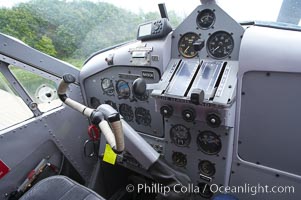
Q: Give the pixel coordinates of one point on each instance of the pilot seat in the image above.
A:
(60, 188)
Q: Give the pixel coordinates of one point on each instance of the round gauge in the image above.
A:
(179, 159)
(205, 191)
(143, 116)
(111, 103)
(107, 86)
(123, 89)
(185, 45)
(180, 135)
(209, 142)
(205, 19)
(207, 168)
(126, 112)
(220, 45)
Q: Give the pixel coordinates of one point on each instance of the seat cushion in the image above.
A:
(59, 188)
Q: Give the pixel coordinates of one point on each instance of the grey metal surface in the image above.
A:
(270, 56)
(22, 146)
(223, 22)
(273, 126)
(123, 56)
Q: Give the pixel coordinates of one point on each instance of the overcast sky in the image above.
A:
(266, 10)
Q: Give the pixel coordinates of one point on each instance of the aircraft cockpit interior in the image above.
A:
(208, 109)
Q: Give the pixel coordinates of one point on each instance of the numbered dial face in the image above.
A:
(209, 143)
(185, 45)
(180, 135)
(127, 112)
(179, 159)
(107, 86)
(205, 19)
(142, 116)
(207, 168)
(220, 45)
(123, 89)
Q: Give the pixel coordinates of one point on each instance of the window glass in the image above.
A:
(13, 110)
(41, 90)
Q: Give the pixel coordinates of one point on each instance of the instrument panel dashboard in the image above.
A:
(203, 51)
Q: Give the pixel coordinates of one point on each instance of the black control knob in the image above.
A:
(213, 120)
(139, 87)
(166, 111)
(188, 115)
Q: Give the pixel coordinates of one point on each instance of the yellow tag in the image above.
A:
(109, 155)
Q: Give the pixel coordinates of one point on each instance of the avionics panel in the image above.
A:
(114, 86)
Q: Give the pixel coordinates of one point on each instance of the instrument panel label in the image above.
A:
(148, 74)
(4, 169)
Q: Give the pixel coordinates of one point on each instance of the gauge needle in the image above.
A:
(215, 49)
(186, 49)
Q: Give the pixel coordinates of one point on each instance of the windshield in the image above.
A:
(73, 30)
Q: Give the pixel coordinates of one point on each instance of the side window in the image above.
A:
(13, 110)
(40, 89)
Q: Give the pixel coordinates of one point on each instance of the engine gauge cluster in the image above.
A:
(208, 33)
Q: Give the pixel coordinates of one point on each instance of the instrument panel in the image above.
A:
(220, 33)
(195, 137)
(113, 86)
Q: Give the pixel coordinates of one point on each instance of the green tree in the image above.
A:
(45, 45)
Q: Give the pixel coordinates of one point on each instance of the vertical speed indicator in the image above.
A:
(185, 45)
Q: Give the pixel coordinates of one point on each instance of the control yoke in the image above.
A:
(119, 134)
(99, 117)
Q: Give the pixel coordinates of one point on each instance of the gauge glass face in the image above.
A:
(142, 116)
(107, 86)
(220, 45)
(127, 112)
(185, 45)
(207, 168)
(179, 159)
(209, 143)
(205, 19)
(180, 135)
(123, 89)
